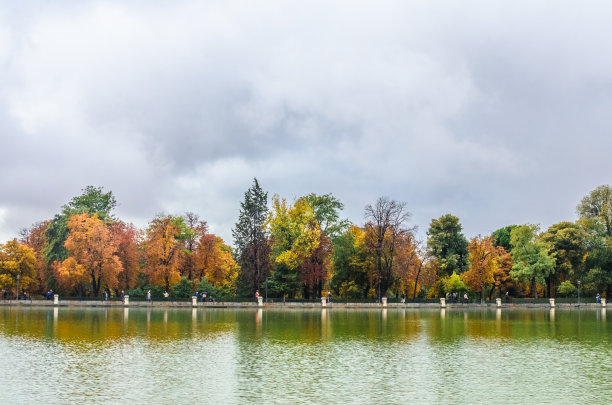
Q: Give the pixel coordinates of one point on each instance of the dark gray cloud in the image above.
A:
(496, 112)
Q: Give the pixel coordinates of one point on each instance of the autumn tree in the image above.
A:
(213, 260)
(532, 261)
(92, 201)
(295, 233)
(408, 263)
(251, 240)
(484, 262)
(448, 245)
(315, 269)
(195, 228)
(162, 247)
(127, 239)
(34, 237)
(90, 246)
(387, 221)
(501, 276)
(17, 262)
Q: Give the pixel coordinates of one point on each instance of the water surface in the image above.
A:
(224, 356)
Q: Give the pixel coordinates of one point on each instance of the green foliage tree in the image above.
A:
(596, 274)
(567, 242)
(350, 264)
(597, 205)
(531, 261)
(327, 209)
(567, 289)
(502, 237)
(448, 245)
(251, 240)
(454, 283)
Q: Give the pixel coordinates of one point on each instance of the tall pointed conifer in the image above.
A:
(251, 240)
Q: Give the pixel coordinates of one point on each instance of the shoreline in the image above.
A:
(290, 305)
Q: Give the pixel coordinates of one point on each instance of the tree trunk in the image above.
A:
(535, 289)
(416, 281)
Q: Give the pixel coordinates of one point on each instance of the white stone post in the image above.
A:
(384, 302)
(603, 302)
(55, 299)
(260, 301)
(552, 302)
(498, 302)
(442, 302)
(194, 301)
(126, 300)
(323, 301)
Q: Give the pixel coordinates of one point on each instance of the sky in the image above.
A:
(496, 112)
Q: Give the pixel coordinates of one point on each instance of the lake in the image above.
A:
(348, 356)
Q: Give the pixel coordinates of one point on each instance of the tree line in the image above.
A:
(302, 249)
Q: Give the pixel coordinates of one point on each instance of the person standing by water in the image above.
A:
(166, 295)
(257, 296)
(597, 298)
(149, 298)
(329, 297)
(122, 296)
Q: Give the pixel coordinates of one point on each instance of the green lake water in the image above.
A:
(224, 356)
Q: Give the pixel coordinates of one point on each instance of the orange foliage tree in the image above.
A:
(484, 262)
(163, 244)
(35, 238)
(92, 252)
(127, 238)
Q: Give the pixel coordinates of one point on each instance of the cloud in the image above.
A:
(495, 112)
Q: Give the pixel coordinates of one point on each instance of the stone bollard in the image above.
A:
(551, 301)
(260, 301)
(384, 302)
(603, 302)
(126, 300)
(498, 302)
(56, 299)
(442, 302)
(323, 301)
(194, 301)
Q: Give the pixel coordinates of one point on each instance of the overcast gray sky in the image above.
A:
(498, 112)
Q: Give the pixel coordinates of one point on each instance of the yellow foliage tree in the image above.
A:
(16, 260)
